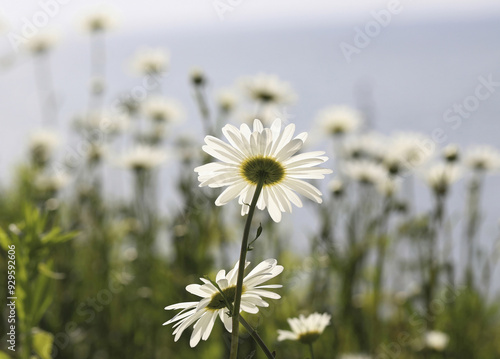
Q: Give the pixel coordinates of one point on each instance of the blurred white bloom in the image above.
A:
(204, 312)
(198, 76)
(451, 153)
(248, 117)
(336, 186)
(440, 176)
(96, 152)
(366, 172)
(436, 340)
(130, 254)
(99, 20)
(226, 99)
(305, 329)
(387, 187)
(104, 122)
(267, 115)
(187, 147)
(143, 158)
(339, 120)
(42, 41)
(365, 146)
(42, 145)
(97, 85)
(268, 89)
(412, 290)
(412, 149)
(482, 158)
(161, 109)
(51, 182)
(150, 61)
(355, 356)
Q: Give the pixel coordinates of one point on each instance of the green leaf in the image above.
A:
(4, 355)
(4, 242)
(41, 298)
(42, 343)
(259, 232)
(45, 269)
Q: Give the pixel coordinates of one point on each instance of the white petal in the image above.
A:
(230, 193)
(283, 139)
(181, 305)
(288, 150)
(199, 290)
(304, 189)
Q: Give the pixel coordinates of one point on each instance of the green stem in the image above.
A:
(241, 269)
(203, 107)
(257, 338)
(311, 350)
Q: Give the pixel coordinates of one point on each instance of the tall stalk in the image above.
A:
(45, 89)
(241, 270)
(472, 224)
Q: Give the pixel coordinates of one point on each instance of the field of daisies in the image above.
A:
(94, 273)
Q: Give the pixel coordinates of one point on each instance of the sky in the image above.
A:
(195, 14)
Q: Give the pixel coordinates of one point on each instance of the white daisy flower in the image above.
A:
(99, 20)
(366, 172)
(51, 182)
(336, 186)
(305, 329)
(339, 120)
(412, 149)
(42, 145)
(366, 146)
(436, 340)
(483, 158)
(143, 158)
(226, 99)
(150, 61)
(96, 152)
(441, 176)
(451, 153)
(197, 76)
(388, 186)
(264, 154)
(161, 109)
(204, 313)
(247, 116)
(268, 89)
(42, 41)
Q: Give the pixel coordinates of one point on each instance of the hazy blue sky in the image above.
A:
(197, 13)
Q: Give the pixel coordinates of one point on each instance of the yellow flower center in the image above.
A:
(260, 168)
(217, 302)
(309, 337)
(265, 96)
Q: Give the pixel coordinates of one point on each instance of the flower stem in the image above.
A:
(256, 337)
(241, 269)
(203, 107)
(311, 350)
